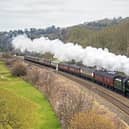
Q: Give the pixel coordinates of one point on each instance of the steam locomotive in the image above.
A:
(112, 80)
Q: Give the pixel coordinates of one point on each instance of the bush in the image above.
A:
(70, 103)
(10, 62)
(33, 75)
(19, 69)
(6, 55)
(91, 120)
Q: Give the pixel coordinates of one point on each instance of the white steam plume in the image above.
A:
(101, 58)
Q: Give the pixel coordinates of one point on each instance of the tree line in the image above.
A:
(107, 33)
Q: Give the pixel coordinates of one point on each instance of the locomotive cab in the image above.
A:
(119, 84)
(127, 86)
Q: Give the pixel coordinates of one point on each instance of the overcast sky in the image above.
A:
(16, 14)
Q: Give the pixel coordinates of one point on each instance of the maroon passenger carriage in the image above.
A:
(73, 69)
(105, 78)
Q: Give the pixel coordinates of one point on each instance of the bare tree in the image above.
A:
(46, 83)
(71, 104)
(33, 75)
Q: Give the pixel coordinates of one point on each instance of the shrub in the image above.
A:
(72, 102)
(19, 69)
(6, 55)
(91, 120)
(10, 62)
(33, 75)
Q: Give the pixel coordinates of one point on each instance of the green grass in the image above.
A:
(46, 116)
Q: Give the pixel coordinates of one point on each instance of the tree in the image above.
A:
(71, 104)
(19, 69)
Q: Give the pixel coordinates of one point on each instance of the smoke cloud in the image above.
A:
(101, 58)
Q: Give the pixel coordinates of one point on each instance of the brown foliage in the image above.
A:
(19, 69)
(10, 61)
(49, 79)
(42, 79)
(91, 120)
(6, 55)
(69, 102)
(72, 103)
(33, 75)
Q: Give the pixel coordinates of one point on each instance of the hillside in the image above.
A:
(100, 24)
(109, 33)
(22, 105)
(114, 37)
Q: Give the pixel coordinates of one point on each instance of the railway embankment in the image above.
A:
(63, 90)
(22, 105)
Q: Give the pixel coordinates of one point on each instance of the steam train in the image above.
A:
(112, 80)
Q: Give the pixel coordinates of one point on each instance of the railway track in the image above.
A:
(119, 101)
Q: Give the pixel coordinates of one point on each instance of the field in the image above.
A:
(22, 96)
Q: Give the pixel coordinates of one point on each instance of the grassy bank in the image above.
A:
(41, 113)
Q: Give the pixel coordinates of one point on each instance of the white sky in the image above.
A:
(15, 14)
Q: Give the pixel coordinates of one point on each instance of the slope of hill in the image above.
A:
(22, 105)
(109, 33)
(100, 24)
(114, 37)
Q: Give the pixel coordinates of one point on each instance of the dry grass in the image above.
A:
(19, 69)
(91, 120)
